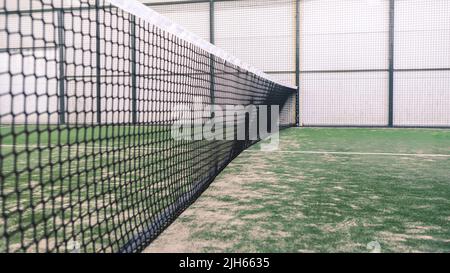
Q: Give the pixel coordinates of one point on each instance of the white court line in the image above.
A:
(437, 129)
(354, 153)
(9, 127)
(247, 151)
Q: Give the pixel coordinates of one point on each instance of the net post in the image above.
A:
(133, 70)
(391, 61)
(62, 77)
(97, 60)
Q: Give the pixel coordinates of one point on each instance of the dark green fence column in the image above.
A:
(297, 61)
(97, 60)
(211, 22)
(391, 61)
(212, 41)
(133, 71)
(212, 67)
(61, 65)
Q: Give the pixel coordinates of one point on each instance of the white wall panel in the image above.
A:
(336, 35)
(422, 98)
(422, 41)
(288, 78)
(15, 5)
(344, 34)
(422, 34)
(37, 30)
(194, 17)
(344, 99)
(261, 33)
(29, 93)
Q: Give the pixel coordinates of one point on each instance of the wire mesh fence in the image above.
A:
(89, 96)
(357, 63)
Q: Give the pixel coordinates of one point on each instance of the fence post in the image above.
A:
(62, 76)
(212, 67)
(297, 61)
(97, 60)
(391, 61)
(212, 41)
(133, 70)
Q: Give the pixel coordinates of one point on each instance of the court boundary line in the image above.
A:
(352, 153)
(245, 151)
(9, 127)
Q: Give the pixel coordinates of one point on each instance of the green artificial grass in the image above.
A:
(362, 186)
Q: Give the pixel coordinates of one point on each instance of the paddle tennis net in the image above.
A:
(90, 94)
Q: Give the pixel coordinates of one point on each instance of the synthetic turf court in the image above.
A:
(326, 190)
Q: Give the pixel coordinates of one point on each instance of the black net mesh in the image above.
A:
(87, 99)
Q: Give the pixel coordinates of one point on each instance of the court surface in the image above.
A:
(326, 190)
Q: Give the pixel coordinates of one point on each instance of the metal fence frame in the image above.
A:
(212, 39)
(390, 69)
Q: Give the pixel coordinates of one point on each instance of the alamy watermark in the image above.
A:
(204, 121)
